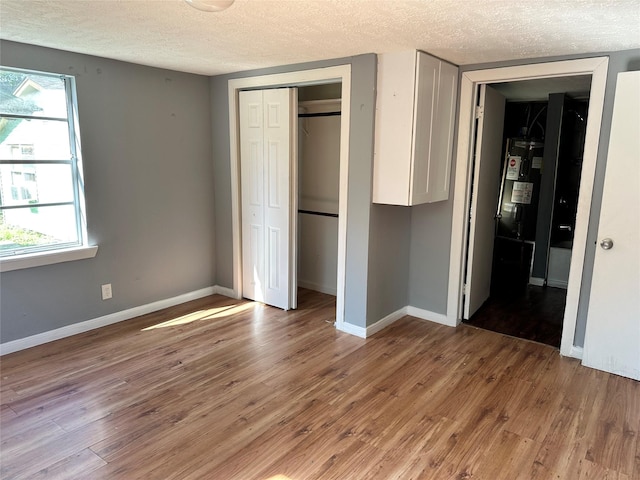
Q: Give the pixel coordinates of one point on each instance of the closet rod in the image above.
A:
(322, 214)
(319, 114)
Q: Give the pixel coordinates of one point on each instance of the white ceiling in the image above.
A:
(264, 33)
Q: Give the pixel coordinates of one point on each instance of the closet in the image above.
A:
(290, 185)
(318, 186)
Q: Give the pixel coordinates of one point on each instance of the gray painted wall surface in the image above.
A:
(431, 224)
(429, 255)
(389, 246)
(148, 138)
(363, 77)
(149, 194)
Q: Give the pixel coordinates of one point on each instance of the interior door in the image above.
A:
(268, 180)
(484, 201)
(612, 338)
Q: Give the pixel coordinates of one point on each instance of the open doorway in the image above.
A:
(463, 286)
(319, 117)
(535, 207)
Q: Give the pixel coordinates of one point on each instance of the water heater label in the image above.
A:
(513, 167)
(537, 162)
(522, 192)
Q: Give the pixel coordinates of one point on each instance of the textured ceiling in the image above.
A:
(263, 33)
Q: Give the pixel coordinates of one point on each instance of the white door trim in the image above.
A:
(340, 73)
(470, 82)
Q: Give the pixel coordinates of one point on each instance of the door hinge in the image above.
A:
(465, 289)
(479, 111)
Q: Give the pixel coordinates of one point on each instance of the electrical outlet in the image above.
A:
(106, 291)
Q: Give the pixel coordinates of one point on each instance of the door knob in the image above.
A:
(606, 244)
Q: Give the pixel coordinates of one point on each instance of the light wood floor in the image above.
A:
(220, 389)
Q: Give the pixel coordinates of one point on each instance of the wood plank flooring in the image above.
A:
(533, 313)
(226, 389)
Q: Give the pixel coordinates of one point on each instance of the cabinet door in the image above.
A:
(433, 129)
(394, 128)
(442, 134)
(433, 135)
(427, 73)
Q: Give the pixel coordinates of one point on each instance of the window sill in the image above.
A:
(47, 258)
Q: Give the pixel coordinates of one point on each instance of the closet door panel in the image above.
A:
(252, 186)
(278, 136)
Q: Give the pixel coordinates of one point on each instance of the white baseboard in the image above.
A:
(352, 329)
(393, 317)
(316, 287)
(372, 329)
(227, 292)
(536, 281)
(386, 321)
(81, 327)
(575, 352)
(430, 316)
(557, 283)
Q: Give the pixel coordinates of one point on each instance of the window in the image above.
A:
(41, 195)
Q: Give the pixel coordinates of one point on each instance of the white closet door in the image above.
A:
(486, 189)
(252, 187)
(612, 338)
(267, 145)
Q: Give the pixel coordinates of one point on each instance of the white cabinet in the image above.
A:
(415, 116)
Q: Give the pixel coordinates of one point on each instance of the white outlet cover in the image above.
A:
(106, 291)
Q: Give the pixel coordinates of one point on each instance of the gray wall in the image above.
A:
(149, 194)
(155, 199)
(431, 224)
(363, 77)
(429, 255)
(390, 237)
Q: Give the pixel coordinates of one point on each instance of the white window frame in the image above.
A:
(50, 254)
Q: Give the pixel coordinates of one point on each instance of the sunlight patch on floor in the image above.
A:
(200, 315)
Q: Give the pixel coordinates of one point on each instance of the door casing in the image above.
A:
(469, 85)
(340, 73)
